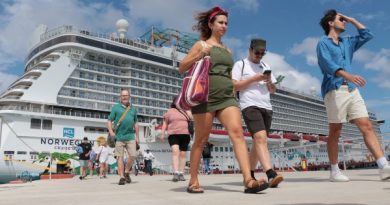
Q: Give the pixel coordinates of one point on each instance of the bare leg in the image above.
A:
(182, 161)
(119, 162)
(203, 124)
(129, 163)
(253, 156)
(230, 118)
(260, 141)
(175, 157)
(333, 140)
(370, 138)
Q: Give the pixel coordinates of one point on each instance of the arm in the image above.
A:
(163, 128)
(136, 128)
(325, 61)
(196, 53)
(353, 21)
(355, 79)
(271, 87)
(242, 84)
(109, 127)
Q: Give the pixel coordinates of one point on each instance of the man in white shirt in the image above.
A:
(148, 157)
(253, 79)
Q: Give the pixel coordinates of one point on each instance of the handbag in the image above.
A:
(195, 86)
(189, 122)
(112, 139)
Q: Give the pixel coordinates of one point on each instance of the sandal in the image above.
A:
(195, 189)
(253, 186)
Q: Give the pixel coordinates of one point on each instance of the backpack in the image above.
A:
(79, 149)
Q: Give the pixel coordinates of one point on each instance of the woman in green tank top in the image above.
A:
(212, 25)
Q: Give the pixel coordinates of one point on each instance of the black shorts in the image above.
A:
(181, 140)
(257, 119)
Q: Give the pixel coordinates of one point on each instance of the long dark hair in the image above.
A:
(204, 18)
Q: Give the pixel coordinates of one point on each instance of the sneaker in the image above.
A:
(338, 177)
(127, 178)
(175, 177)
(181, 177)
(81, 177)
(384, 173)
(274, 182)
(122, 181)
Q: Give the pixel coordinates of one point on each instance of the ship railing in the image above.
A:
(55, 111)
(300, 92)
(68, 29)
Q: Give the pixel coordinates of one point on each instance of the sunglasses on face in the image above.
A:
(258, 53)
(341, 19)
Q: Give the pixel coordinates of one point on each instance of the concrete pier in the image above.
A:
(299, 188)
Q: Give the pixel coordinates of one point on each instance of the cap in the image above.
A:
(85, 138)
(258, 44)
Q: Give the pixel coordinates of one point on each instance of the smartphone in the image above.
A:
(267, 72)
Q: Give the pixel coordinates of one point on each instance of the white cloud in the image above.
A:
(294, 79)
(307, 48)
(19, 19)
(378, 62)
(176, 14)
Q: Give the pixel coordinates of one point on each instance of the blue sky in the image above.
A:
(290, 27)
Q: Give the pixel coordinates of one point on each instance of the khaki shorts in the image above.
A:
(121, 146)
(343, 106)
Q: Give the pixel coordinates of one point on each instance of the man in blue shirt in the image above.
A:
(339, 88)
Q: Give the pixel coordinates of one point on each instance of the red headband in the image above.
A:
(217, 10)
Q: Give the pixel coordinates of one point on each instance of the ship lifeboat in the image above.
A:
(323, 138)
(310, 138)
(291, 136)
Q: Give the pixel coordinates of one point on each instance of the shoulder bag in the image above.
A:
(195, 85)
(112, 139)
(189, 121)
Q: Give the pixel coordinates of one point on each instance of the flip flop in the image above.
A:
(256, 186)
(195, 189)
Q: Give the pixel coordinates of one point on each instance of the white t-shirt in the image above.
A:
(103, 154)
(256, 94)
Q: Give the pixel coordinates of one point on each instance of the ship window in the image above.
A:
(9, 152)
(21, 152)
(35, 123)
(35, 153)
(47, 124)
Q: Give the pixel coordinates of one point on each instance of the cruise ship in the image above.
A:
(72, 78)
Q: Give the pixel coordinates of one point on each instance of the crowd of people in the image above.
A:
(243, 89)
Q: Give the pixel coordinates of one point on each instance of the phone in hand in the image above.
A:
(267, 72)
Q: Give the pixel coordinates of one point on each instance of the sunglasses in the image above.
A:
(342, 19)
(258, 53)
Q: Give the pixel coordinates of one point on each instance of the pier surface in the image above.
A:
(299, 188)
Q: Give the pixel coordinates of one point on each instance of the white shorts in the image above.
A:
(343, 106)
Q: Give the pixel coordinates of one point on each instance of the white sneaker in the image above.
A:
(338, 177)
(384, 173)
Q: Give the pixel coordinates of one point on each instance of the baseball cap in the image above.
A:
(258, 44)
